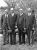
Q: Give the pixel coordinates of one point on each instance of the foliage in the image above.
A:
(24, 4)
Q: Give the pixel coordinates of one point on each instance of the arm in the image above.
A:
(1, 21)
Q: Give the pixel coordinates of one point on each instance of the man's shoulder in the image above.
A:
(3, 15)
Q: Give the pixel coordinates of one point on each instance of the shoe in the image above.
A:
(4, 44)
(14, 42)
(20, 43)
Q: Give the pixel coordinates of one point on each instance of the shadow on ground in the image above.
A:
(19, 47)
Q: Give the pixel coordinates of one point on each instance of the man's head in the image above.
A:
(6, 11)
(21, 11)
(11, 10)
(29, 11)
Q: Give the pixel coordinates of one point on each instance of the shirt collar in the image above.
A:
(6, 15)
(29, 14)
(21, 14)
(12, 14)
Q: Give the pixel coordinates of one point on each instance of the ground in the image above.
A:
(19, 47)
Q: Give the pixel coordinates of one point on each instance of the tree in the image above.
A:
(24, 4)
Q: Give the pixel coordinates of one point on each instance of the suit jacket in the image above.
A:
(30, 20)
(3, 22)
(21, 22)
(12, 20)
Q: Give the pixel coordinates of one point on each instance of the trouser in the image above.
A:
(20, 36)
(12, 37)
(23, 37)
(32, 36)
(6, 37)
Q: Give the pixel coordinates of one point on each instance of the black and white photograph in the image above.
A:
(18, 24)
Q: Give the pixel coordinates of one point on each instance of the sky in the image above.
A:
(2, 3)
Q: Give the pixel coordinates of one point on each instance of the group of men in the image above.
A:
(10, 20)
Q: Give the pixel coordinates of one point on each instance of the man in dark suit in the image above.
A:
(34, 25)
(21, 27)
(29, 23)
(12, 21)
(4, 26)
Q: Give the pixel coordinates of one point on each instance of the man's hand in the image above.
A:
(9, 28)
(9, 31)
